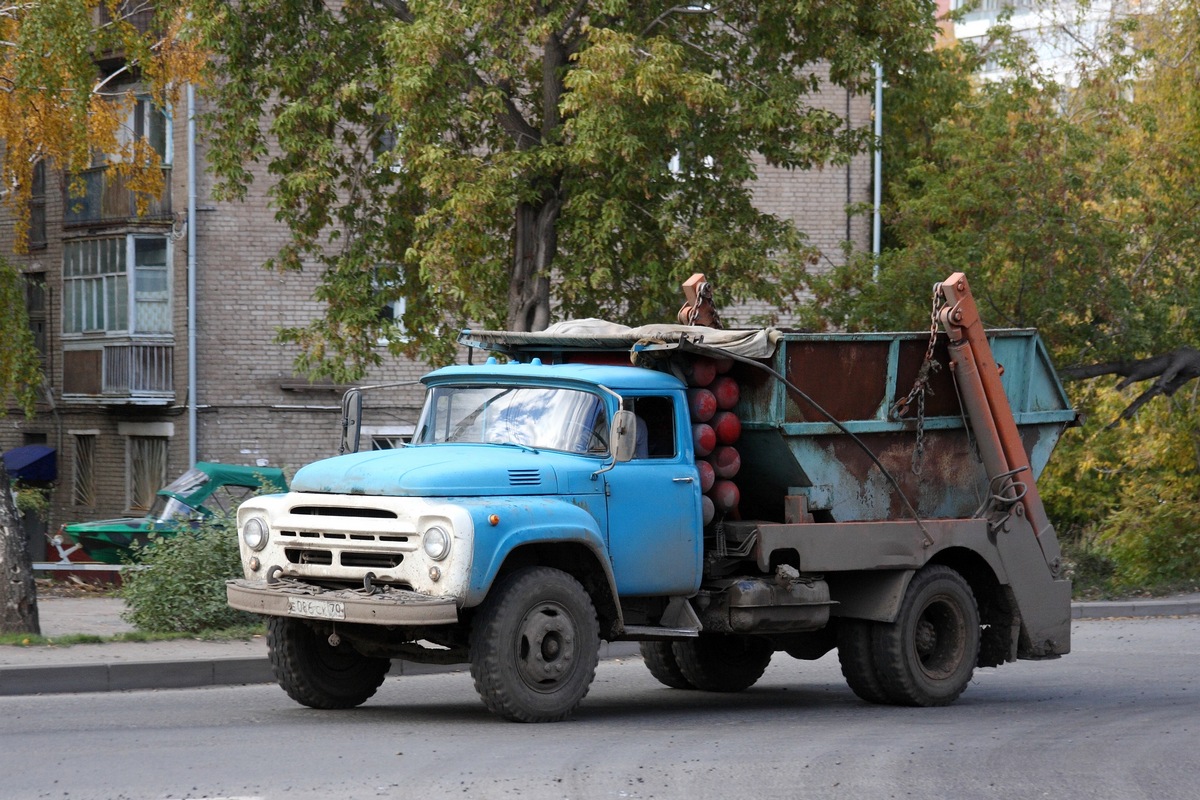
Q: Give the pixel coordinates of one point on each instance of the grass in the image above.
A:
(239, 633)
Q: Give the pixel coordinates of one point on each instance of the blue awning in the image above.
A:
(33, 462)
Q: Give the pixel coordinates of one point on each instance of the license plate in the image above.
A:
(321, 609)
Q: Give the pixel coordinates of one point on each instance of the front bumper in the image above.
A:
(387, 606)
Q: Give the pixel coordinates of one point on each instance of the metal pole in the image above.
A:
(191, 273)
(877, 221)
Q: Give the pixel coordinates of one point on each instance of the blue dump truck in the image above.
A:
(720, 497)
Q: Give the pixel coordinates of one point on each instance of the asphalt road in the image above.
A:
(1118, 718)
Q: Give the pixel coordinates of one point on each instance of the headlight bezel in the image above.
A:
(436, 542)
(262, 537)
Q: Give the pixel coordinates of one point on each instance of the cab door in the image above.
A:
(655, 530)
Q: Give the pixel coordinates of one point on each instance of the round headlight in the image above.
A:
(254, 533)
(436, 542)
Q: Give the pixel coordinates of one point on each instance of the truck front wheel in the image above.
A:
(722, 663)
(927, 656)
(316, 674)
(534, 646)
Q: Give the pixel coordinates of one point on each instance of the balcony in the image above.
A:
(138, 13)
(128, 373)
(107, 200)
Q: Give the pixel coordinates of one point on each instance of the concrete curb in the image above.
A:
(191, 674)
(1110, 609)
(194, 673)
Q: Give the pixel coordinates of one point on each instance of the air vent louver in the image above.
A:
(524, 477)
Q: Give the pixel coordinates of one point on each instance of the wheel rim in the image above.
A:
(939, 638)
(335, 659)
(546, 647)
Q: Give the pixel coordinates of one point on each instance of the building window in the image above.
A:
(96, 287)
(387, 437)
(146, 472)
(37, 207)
(152, 124)
(84, 493)
(35, 310)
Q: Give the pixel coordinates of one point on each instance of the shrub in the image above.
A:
(182, 588)
(1154, 538)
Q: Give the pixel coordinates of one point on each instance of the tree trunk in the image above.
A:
(535, 245)
(18, 593)
(535, 233)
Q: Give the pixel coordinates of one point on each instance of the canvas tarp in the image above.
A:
(597, 334)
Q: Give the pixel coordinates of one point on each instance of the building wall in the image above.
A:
(251, 407)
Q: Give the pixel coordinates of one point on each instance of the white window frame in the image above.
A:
(80, 283)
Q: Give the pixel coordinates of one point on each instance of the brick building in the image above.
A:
(108, 299)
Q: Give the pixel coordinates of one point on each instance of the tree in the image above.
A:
(67, 72)
(1028, 187)
(1072, 207)
(497, 162)
(1171, 372)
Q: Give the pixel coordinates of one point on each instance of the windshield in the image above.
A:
(168, 509)
(538, 417)
(188, 482)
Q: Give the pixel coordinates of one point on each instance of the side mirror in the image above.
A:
(351, 420)
(623, 435)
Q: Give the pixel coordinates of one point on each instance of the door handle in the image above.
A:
(685, 479)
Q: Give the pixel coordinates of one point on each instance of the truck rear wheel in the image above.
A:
(660, 660)
(722, 663)
(927, 656)
(534, 646)
(316, 674)
(854, 643)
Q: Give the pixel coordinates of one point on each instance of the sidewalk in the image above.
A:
(186, 663)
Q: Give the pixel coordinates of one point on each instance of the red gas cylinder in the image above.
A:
(726, 461)
(704, 438)
(725, 496)
(725, 389)
(723, 365)
(726, 426)
(707, 475)
(702, 404)
(708, 509)
(702, 373)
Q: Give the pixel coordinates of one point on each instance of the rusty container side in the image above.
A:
(790, 447)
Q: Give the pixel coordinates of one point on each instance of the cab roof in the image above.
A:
(612, 376)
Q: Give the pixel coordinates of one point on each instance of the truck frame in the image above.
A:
(717, 496)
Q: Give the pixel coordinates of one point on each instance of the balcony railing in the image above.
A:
(107, 199)
(138, 13)
(120, 373)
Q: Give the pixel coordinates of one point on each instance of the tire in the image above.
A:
(928, 655)
(316, 674)
(720, 663)
(660, 660)
(534, 646)
(854, 645)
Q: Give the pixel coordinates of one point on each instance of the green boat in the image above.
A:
(202, 491)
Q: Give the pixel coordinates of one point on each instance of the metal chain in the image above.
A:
(921, 386)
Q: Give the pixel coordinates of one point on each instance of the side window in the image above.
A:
(656, 426)
(226, 499)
